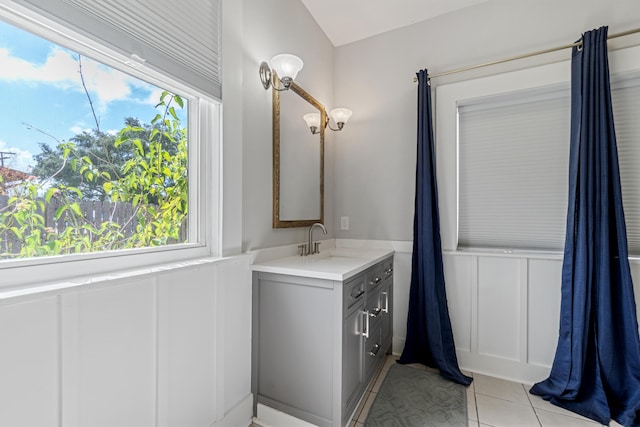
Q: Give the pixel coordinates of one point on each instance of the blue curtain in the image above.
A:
(596, 370)
(429, 336)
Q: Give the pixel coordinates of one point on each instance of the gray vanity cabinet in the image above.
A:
(318, 343)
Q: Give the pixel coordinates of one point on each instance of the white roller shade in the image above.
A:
(514, 165)
(179, 38)
(513, 162)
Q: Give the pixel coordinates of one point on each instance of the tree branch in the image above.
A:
(93, 111)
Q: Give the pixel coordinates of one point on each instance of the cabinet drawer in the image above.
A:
(354, 291)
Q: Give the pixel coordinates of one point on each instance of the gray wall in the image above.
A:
(375, 154)
(269, 28)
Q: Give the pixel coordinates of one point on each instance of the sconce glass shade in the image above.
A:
(340, 116)
(286, 66)
(313, 121)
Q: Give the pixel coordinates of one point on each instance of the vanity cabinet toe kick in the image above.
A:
(318, 343)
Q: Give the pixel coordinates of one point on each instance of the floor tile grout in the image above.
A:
(526, 392)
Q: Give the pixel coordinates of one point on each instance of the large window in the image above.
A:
(104, 151)
(513, 167)
(92, 158)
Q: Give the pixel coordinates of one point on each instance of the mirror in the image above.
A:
(298, 160)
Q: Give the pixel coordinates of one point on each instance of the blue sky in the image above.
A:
(42, 93)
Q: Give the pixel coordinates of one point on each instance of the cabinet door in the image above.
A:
(295, 326)
(352, 369)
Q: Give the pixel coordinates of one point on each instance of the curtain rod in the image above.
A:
(525, 55)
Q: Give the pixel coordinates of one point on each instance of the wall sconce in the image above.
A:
(285, 68)
(313, 122)
(339, 115)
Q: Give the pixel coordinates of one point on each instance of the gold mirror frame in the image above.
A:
(277, 222)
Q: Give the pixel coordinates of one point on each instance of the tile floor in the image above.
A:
(491, 402)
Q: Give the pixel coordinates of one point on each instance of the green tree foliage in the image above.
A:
(155, 179)
(143, 166)
(96, 149)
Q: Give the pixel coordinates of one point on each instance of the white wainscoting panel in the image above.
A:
(117, 336)
(167, 347)
(234, 330)
(545, 279)
(499, 307)
(459, 282)
(186, 389)
(29, 364)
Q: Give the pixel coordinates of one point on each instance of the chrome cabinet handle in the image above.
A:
(386, 302)
(375, 281)
(389, 271)
(374, 351)
(365, 332)
(376, 312)
(358, 295)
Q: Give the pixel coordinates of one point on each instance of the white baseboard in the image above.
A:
(497, 367)
(269, 417)
(239, 416)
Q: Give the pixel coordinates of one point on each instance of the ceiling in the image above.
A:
(345, 21)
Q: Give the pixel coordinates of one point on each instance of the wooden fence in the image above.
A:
(94, 211)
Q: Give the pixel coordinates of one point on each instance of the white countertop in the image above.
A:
(331, 264)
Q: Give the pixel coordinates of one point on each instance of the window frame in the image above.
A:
(205, 135)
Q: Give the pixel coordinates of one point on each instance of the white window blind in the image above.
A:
(178, 38)
(513, 160)
(513, 168)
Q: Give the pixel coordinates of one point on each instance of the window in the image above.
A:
(99, 157)
(102, 149)
(492, 121)
(513, 167)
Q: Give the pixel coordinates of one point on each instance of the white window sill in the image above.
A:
(77, 282)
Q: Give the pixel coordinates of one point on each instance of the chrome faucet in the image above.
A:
(313, 247)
